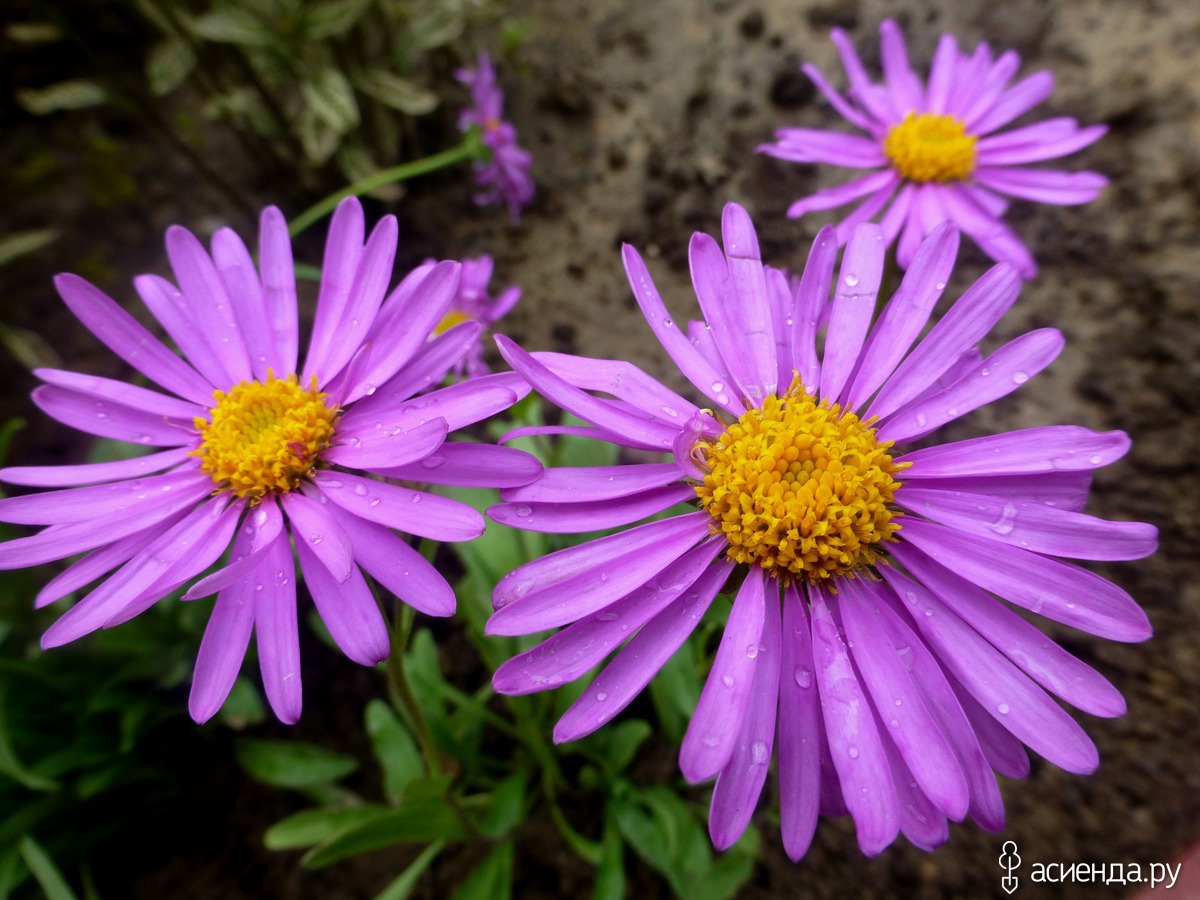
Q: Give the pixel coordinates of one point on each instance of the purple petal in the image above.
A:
(941, 74)
(430, 363)
(905, 314)
(87, 504)
(1017, 100)
(741, 781)
(584, 484)
(812, 297)
(913, 728)
(896, 217)
(107, 418)
(388, 449)
(122, 393)
(810, 145)
(313, 525)
(837, 101)
(854, 743)
(460, 405)
(259, 530)
(698, 370)
(1062, 490)
(1049, 448)
(983, 226)
(633, 668)
(570, 653)
(1034, 143)
(752, 312)
(574, 518)
(397, 566)
(965, 324)
(278, 634)
(716, 724)
(67, 540)
(347, 609)
(874, 102)
(471, 465)
(279, 294)
(343, 250)
(210, 310)
(652, 433)
(902, 82)
(995, 377)
(853, 305)
(1005, 692)
(98, 562)
(1004, 752)
(245, 291)
(1037, 655)
(127, 338)
(1055, 589)
(171, 308)
(570, 583)
(622, 380)
(93, 473)
(800, 730)
(1043, 185)
(413, 512)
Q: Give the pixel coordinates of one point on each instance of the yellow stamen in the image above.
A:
(930, 147)
(801, 488)
(449, 320)
(264, 436)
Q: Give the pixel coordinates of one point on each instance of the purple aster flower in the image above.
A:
(934, 150)
(871, 641)
(505, 179)
(472, 303)
(258, 453)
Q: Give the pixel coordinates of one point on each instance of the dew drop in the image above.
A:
(718, 386)
(674, 414)
(1020, 377)
(727, 680)
(803, 677)
(416, 498)
(1006, 522)
(316, 539)
(921, 420)
(853, 751)
(851, 280)
(1002, 709)
(374, 502)
(432, 462)
(895, 723)
(606, 616)
(524, 511)
(369, 390)
(1096, 460)
(668, 322)
(360, 489)
(602, 696)
(752, 650)
(758, 752)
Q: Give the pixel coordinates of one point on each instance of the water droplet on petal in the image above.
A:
(1002, 709)
(416, 498)
(727, 680)
(752, 651)
(432, 462)
(1020, 377)
(375, 501)
(851, 280)
(853, 751)
(359, 489)
(758, 752)
(803, 677)
(316, 539)
(1096, 460)
(602, 696)
(1007, 520)
(523, 511)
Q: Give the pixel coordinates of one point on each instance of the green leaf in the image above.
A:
(78, 93)
(394, 748)
(33, 33)
(333, 17)
(407, 880)
(312, 826)
(426, 820)
(331, 98)
(53, 885)
(675, 691)
(232, 26)
(9, 764)
(492, 880)
(243, 706)
(610, 874)
(21, 243)
(506, 808)
(292, 764)
(168, 64)
(396, 92)
(617, 745)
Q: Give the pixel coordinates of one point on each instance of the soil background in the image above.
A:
(643, 118)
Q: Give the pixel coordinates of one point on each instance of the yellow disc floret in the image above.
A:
(930, 147)
(800, 488)
(449, 320)
(264, 436)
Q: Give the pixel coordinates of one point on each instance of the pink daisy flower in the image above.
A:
(473, 303)
(936, 150)
(871, 642)
(259, 454)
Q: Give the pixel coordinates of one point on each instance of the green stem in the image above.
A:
(471, 147)
(402, 694)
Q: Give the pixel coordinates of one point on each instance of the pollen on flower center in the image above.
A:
(264, 436)
(801, 488)
(449, 320)
(930, 147)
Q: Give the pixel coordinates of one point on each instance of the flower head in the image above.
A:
(934, 150)
(259, 453)
(473, 303)
(505, 178)
(870, 641)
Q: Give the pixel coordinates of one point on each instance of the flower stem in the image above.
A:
(471, 147)
(403, 698)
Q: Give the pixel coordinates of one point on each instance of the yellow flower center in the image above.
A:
(449, 320)
(264, 436)
(801, 488)
(930, 147)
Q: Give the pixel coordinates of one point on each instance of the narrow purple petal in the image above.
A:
(741, 781)
(716, 724)
(1034, 143)
(995, 238)
(278, 634)
(995, 377)
(413, 512)
(902, 82)
(570, 653)
(343, 250)
(864, 212)
(854, 743)
(853, 305)
(575, 581)
(397, 566)
(93, 473)
(314, 526)
(1049, 448)
(429, 365)
(87, 504)
(459, 404)
(800, 729)
(882, 182)
(1061, 490)
(260, 529)
(810, 145)
(172, 310)
(347, 609)
(471, 465)
(1055, 589)
(110, 419)
(941, 74)
(875, 105)
(622, 380)
(812, 297)
(1043, 185)
(837, 101)
(1017, 100)
(641, 659)
(584, 484)
(98, 562)
(123, 393)
(965, 324)
(279, 294)
(388, 449)
(130, 340)
(574, 518)
(1004, 752)
(245, 292)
